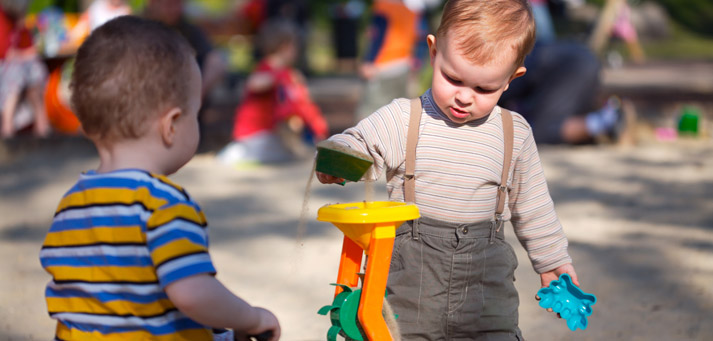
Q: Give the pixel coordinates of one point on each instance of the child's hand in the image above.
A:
(295, 124)
(547, 277)
(550, 276)
(328, 179)
(260, 82)
(268, 326)
(368, 71)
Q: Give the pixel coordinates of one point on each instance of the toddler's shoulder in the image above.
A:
(168, 182)
(400, 105)
(170, 191)
(397, 110)
(521, 126)
(517, 119)
(176, 203)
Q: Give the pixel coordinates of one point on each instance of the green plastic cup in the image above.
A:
(342, 162)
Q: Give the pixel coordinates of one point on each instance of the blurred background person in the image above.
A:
(560, 92)
(277, 119)
(21, 70)
(255, 13)
(346, 17)
(392, 35)
(297, 13)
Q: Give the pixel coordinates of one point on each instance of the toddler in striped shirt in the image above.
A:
(128, 248)
(469, 165)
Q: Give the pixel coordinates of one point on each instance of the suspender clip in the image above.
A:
(499, 220)
(497, 224)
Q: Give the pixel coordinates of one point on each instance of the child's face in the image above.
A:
(186, 125)
(463, 90)
(288, 52)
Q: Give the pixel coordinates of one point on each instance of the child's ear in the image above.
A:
(431, 40)
(167, 125)
(519, 72)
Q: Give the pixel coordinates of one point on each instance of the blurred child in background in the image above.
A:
(559, 95)
(21, 70)
(277, 118)
(392, 35)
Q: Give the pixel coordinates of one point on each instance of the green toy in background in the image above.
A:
(689, 121)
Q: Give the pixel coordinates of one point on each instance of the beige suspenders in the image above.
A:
(508, 136)
(412, 140)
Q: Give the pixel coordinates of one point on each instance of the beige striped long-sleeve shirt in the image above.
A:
(458, 170)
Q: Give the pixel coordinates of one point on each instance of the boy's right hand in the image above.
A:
(328, 179)
(268, 325)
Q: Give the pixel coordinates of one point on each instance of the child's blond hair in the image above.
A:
(126, 71)
(482, 29)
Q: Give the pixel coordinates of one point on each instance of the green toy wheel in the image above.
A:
(343, 314)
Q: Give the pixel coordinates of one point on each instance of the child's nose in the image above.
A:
(464, 97)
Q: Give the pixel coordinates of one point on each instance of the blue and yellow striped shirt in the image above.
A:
(117, 240)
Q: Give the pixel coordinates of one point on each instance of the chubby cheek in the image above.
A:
(189, 141)
(195, 137)
(485, 104)
(441, 93)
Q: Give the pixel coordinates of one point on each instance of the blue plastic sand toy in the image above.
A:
(568, 300)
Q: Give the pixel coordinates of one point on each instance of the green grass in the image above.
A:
(682, 45)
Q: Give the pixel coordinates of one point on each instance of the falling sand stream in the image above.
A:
(302, 225)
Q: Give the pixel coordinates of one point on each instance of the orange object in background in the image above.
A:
(59, 114)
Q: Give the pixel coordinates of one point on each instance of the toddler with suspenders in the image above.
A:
(469, 166)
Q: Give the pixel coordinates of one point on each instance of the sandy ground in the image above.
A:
(640, 223)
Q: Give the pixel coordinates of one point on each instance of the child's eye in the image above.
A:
(484, 91)
(451, 79)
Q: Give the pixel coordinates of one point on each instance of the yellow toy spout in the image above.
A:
(358, 220)
(368, 227)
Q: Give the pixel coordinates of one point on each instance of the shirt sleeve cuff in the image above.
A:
(543, 267)
(184, 267)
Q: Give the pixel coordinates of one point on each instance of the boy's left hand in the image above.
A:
(547, 277)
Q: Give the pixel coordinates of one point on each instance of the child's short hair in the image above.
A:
(126, 71)
(275, 34)
(483, 28)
